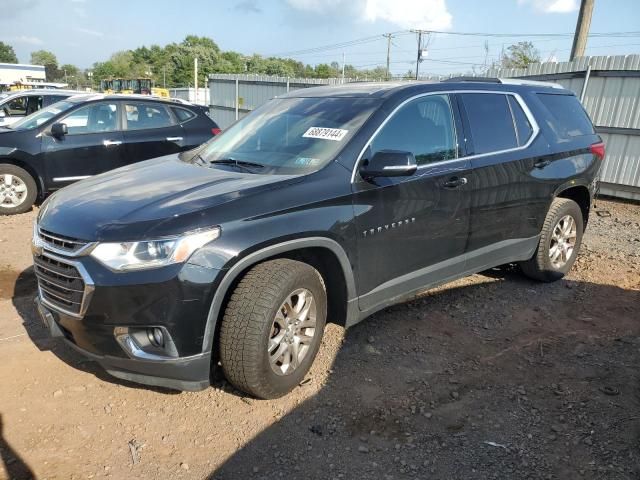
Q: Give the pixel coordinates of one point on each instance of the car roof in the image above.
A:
(87, 97)
(387, 89)
(42, 91)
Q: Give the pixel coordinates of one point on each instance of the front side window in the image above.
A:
(94, 118)
(144, 115)
(291, 135)
(490, 121)
(17, 106)
(424, 127)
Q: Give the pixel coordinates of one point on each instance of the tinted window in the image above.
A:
(97, 117)
(145, 115)
(183, 114)
(424, 127)
(34, 103)
(568, 118)
(490, 122)
(523, 127)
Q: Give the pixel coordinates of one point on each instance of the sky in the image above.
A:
(82, 32)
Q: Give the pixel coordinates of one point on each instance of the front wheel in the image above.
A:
(559, 242)
(18, 190)
(272, 327)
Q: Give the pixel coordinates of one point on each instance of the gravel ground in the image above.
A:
(492, 376)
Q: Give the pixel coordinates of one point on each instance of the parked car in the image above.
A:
(89, 134)
(19, 104)
(327, 204)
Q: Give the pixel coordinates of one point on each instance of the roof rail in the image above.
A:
(473, 79)
(524, 81)
(504, 81)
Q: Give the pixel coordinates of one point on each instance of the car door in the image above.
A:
(150, 131)
(412, 231)
(93, 144)
(505, 199)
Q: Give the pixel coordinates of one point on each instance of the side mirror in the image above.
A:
(59, 130)
(389, 163)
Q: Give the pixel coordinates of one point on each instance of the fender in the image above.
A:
(270, 251)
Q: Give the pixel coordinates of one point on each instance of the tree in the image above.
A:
(520, 55)
(50, 62)
(7, 54)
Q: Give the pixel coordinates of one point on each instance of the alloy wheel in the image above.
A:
(13, 191)
(563, 241)
(292, 331)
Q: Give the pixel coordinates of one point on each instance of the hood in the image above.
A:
(163, 196)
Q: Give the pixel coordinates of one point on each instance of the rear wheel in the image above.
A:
(559, 243)
(272, 327)
(18, 190)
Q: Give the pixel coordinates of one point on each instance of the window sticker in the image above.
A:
(335, 134)
(307, 161)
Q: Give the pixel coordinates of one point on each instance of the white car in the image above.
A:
(18, 104)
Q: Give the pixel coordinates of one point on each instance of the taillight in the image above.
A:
(216, 131)
(598, 150)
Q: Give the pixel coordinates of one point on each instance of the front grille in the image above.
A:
(60, 283)
(61, 242)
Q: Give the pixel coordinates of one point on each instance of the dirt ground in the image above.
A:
(490, 377)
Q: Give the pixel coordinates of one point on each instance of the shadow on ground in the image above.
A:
(499, 379)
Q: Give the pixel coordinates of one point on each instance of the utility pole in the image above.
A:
(419, 54)
(389, 37)
(582, 29)
(195, 77)
(420, 51)
(343, 60)
(164, 76)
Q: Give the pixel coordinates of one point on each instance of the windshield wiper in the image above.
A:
(238, 163)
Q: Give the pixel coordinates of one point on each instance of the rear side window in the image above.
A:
(523, 126)
(182, 114)
(490, 122)
(146, 115)
(568, 119)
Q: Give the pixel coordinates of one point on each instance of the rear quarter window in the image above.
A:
(567, 117)
(182, 114)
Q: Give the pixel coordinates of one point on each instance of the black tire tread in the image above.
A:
(536, 267)
(241, 333)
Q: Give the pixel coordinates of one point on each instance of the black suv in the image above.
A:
(326, 204)
(89, 134)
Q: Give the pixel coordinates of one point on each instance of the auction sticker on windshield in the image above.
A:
(335, 134)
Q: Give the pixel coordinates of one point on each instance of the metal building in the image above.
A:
(233, 96)
(11, 73)
(609, 88)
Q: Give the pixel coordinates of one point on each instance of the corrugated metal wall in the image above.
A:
(233, 96)
(612, 98)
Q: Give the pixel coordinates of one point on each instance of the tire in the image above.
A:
(542, 266)
(253, 328)
(18, 190)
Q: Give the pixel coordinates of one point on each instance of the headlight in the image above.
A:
(152, 253)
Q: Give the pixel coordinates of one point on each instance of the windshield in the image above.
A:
(290, 135)
(41, 116)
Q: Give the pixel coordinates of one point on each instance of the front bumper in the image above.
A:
(175, 298)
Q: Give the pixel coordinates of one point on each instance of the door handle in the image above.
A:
(111, 143)
(542, 163)
(455, 182)
(174, 139)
